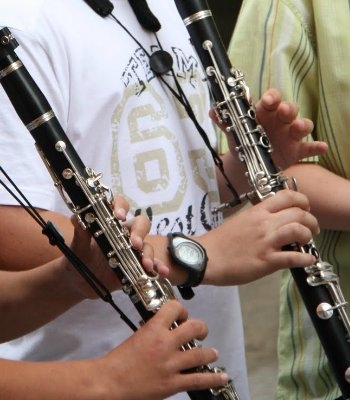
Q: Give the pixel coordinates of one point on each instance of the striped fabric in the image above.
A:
(302, 47)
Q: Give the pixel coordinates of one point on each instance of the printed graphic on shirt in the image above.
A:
(159, 161)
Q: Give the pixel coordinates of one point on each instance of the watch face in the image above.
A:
(189, 253)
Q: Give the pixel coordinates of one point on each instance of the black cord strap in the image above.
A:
(56, 239)
(163, 59)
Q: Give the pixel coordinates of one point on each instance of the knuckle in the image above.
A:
(301, 233)
(295, 229)
(199, 328)
(288, 195)
(301, 215)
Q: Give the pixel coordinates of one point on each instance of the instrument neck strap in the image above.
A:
(161, 63)
(56, 239)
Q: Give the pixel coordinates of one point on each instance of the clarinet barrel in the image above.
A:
(318, 284)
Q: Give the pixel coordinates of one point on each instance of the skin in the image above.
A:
(23, 302)
(280, 220)
(285, 132)
(113, 376)
(277, 116)
(24, 307)
(332, 212)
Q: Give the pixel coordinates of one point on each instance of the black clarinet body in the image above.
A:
(89, 199)
(317, 284)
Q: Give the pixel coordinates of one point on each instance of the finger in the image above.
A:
(189, 330)
(147, 257)
(291, 259)
(120, 207)
(310, 149)
(292, 233)
(269, 101)
(139, 228)
(160, 267)
(287, 112)
(300, 128)
(214, 116)
(295, 215)
(170, 312)
(150, 263)
(198, 381)
(195, 357)
(285, 199)
(81, 237)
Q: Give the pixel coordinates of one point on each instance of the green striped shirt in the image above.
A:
(302, 47)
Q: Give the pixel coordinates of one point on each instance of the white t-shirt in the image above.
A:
(124, 123)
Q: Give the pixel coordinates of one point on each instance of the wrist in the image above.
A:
(189, 256)
(207, 277)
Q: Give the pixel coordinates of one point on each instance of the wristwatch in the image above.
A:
(189, 255)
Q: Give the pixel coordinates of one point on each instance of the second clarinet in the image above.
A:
(318, 284)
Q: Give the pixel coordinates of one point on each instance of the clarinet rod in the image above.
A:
(318, 284)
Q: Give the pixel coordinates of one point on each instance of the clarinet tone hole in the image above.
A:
(113, 262)
(315, 252)
(264, 141)
(251, 113)
(90, 218)
(67, 173)
(5, 40)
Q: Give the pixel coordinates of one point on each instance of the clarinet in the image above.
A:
(318, 284)
(90, 200)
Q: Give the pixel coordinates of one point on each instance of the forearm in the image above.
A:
(29, 299)
(328, 193)
(222, 269)
(235, 170)
(77, 380)
(262, 231)
(22, 243)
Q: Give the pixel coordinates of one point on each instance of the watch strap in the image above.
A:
(194, 277)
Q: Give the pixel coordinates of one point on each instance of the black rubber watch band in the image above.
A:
(190, 256)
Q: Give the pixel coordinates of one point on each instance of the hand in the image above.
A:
(89, 252)
(149, 364)
(285, 130)
(249, 245)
